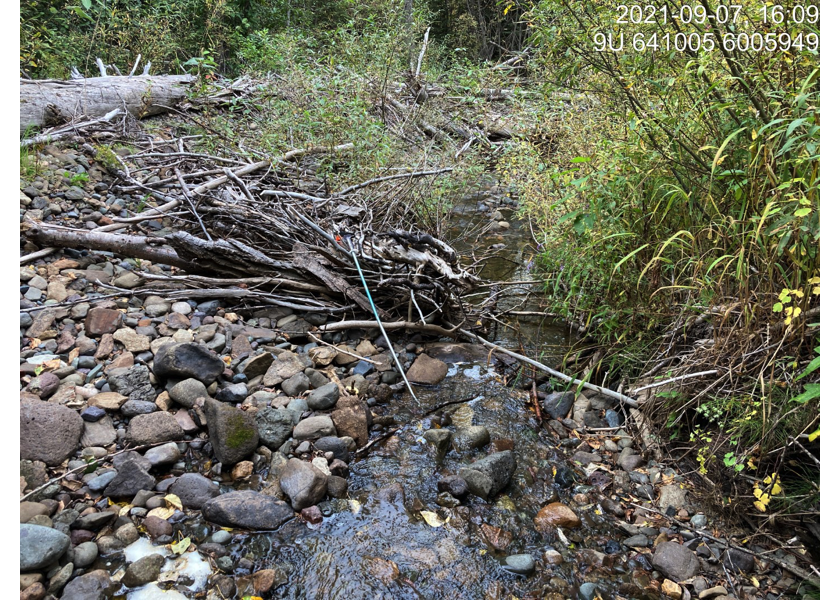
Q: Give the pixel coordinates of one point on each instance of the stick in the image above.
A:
(134, 68)
(102, 71)
(298, 152)
(359, 186)
(422, 52)
(606, 391)
(671, 380)
(36, 255)
(190, 202)
(214, 183)
(64, 132)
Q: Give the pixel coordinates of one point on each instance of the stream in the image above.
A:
(376, 543)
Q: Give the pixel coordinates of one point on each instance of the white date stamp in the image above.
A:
(703, 27)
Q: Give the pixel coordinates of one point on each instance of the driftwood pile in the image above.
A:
(269, 232)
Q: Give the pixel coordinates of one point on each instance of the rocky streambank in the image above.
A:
(199, 448)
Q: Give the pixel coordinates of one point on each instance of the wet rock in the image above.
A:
(323, 398)
(100, 321)
(739, 560)
(427, 370)
(48, 432)
(263, 581)
(274, 426)
(675, 561)
(336, 487)
(521, 564)
(188, 360)
(40, 546)
(153, 428)
(559, 404)
(312, 515)
(304, 484)
(233, 432)
(441, 439)
(470, 438)
(186, 392)
(286, 365)
(90, 586)
(247, 509)
(352, 418)
(564, 476)
(488, 476)
(194, 490)
(143, 571)
(454, 485)
(92, 414)
(314, 427)
(556, 515)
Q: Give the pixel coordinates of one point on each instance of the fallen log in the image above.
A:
(50, 102)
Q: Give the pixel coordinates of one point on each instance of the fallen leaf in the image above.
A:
(181, 547)
(174, 500)
(162, 512)
(432, 519)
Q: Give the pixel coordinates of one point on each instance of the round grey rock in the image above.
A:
(40, 546)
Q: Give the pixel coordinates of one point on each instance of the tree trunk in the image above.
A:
(51, 102)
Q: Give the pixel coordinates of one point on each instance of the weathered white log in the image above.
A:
(43, 102)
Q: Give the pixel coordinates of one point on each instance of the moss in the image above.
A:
(239, 432)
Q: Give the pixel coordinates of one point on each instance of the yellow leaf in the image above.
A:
(173, 500)
(125, 510)
(180, 547)
(432, 519)
(161, 513)
(760, 506)
(755, 582)
(355, 506)
(814, 435)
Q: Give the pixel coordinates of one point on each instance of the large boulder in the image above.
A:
(48, 432)
(427, 370)
(40, 546)
(488, 476)
(247, 509)
(194, 490)
(188, 360)
(233, 432)
(153, 428)
(274, 426)
(303, 483)
(676, 561)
